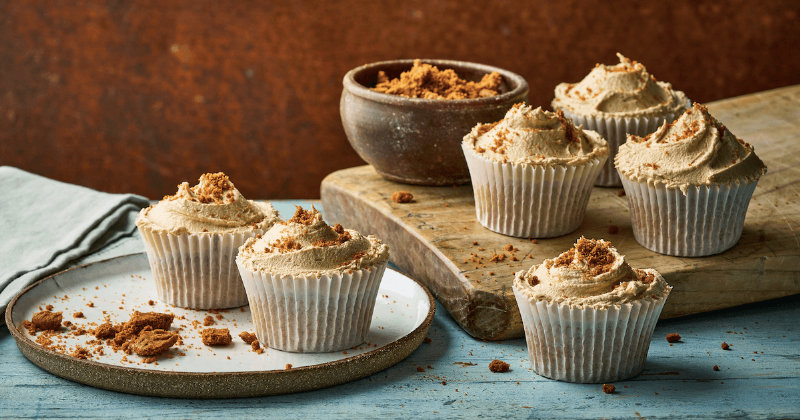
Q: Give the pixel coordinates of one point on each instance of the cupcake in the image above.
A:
(619, 100)
(689, 185)
(311, 286)
(588, 315)
(192, 238)
(532, 172)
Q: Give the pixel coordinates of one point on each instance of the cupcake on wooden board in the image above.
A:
(616, 101)
(312, 287)
(689, 185)
(192, 239)
(588, 315)
(532, 172)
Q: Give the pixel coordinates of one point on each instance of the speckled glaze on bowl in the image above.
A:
(418, 141)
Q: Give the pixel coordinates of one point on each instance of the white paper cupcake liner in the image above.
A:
(587, 345)
(530, 201)
(197, 271)
(312, 314)
(615, 131)
(706, 220)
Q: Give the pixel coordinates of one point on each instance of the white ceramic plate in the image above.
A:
(119, 286)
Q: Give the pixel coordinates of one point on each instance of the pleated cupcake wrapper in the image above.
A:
(706, 220)
(615, 131)
(530, 201)
(587, 345)
(312, 314)
(197, 271)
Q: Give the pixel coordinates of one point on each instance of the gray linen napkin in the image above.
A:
(46, 225)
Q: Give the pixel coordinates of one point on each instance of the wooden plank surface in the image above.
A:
(432, 238)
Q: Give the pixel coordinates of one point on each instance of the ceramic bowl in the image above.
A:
(418, 141)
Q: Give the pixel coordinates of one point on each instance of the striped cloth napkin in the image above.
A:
(46, 226)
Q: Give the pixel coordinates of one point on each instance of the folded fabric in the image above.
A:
(45, 225)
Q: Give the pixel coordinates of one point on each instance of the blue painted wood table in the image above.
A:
(758, 378)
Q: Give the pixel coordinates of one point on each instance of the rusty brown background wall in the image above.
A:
(137, 96)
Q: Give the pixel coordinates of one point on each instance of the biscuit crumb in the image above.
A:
(209, 320)
(593, 253)
(673, 337)
(427, 340)
(216, 336)
(498, 366)
(81, 353)
(288, 366)
(725, 346)
(609, 389)
(139, 321)
(402, 197)
(621, 193)
(428, 82)
(303, 217)
(247, 337)
(152, 342)
(28, 325)
(716, 368)
(420, 369)
(105, 331)
(533, 281)
(613, 230)
(46, 320)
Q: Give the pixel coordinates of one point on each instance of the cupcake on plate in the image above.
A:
(192, 239)
(588, 315)
(532, 172)
(312, 287)
(616, 101)
(689, 185)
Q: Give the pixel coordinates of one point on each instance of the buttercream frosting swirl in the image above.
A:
(625, 90)
(307, 246)
(592, 274)
(695, 150)
(214, 205)
(533, 136)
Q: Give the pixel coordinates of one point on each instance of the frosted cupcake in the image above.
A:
(192, 239)
(532, 172)
(312, 287)
(588, 315)
(619, 100)
(689, 185)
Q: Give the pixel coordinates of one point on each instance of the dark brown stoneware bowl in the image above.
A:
(418, 141)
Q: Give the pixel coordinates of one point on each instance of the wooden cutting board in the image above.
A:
(432, 238)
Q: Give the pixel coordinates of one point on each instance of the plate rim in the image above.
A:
(408, 342)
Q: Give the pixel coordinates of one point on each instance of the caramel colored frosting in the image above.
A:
(214, 205)
(307, 246)
(695, 150)
(592, 274)
(529, 136)
(622, 90)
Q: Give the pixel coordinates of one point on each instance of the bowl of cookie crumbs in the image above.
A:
(407, 118)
